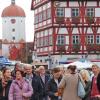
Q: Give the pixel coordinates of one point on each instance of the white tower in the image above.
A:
(13, 26)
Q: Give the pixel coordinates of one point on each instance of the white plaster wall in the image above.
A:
(73, 4)
(89, 30)
(62, 4)
(18, 26)
(50, 31)
(67, 39)
(62, 31)
(96, 12)
(92, 3)
(67, 12)
(75, 31)
(98, 30)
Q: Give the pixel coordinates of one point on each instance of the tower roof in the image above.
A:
(13, 11)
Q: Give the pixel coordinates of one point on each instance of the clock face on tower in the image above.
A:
(13, 21)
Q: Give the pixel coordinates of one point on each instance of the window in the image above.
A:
(75, 12)
(40, 17)
(90, 12)
(60, 40)
(75, 39)
(50, 40)
(90, 39)
(36, 19)
(45, 41)
(44, 15)
(60, 12)
(98, 39)
(48, 13)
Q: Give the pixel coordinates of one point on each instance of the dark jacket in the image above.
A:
(6, 90)
(87, 90)
(52, 88)
(98, 82)
(47, 77)
(37, 88)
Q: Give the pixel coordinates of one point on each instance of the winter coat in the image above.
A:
(52, 88)
(44, 95)
(87, 90)
(6, 90)
(69, 83)
(18, 88)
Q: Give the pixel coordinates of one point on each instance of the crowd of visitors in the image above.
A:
(28, 83)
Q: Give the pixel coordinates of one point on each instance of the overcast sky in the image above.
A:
(26, 5)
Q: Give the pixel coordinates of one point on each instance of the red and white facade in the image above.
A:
(70, 28)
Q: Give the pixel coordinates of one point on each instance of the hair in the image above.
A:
(55, 70)
(22, 73)
(86, 74)
(72, 68)
(4, 70)
(94, 65)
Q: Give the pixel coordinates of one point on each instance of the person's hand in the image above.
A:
(56, 94)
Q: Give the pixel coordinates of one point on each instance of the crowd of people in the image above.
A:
(28, 83)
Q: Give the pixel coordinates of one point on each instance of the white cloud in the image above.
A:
(26, 5)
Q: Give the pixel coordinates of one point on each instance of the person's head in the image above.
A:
(72, 68)
(85, 75)
(56, 73)
(41, 70)
(19, 74)
(17, 66)
(95, 69)
(28, 69)
(6, 73)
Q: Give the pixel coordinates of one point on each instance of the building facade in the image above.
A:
(68, 29)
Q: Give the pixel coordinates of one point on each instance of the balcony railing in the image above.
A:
(75, 20)
(60, 20)
(61, 48)
(90, 20)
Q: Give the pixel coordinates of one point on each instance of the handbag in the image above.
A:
(81, 90)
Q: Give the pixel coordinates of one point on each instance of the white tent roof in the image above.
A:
(80, 65)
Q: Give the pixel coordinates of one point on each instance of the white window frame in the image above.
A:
(98, 39)
(48, 13)
(90, 12)
(60, 12)
(60, 40)
(75, 12)
(90, 39)
(75, 39)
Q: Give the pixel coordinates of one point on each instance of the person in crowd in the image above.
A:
(17, 67)
(52, 85)
(0, 75)
(86, 78)
(69, 84)
(44, 79)
(95, 87)
(35, 82)
(5, 83)
(20, 88)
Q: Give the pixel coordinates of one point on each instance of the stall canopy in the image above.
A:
(4, 61)
(80, 65)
